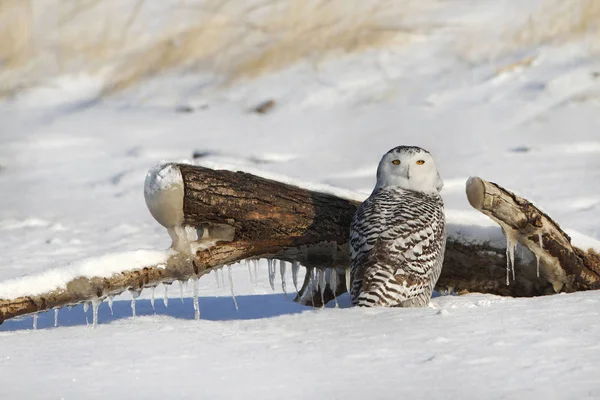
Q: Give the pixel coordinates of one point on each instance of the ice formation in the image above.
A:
(180, 290)
(216, 271)
(95, 306)
(282, 270)
(333, 284)
(249, 271)
(135, 293)
(255, 262)
(35, 320)
(322, 276)
(511, 244)
(271, 267)
(348, 277)
(110, 304)
(232, 288)
(55, 317)
(295, 269)
(196, 305)
(166, 295)
(152, 299)
(537, 257)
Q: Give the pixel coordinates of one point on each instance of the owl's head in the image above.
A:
(409, 167)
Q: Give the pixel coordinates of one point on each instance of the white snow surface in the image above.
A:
(103, 266)
(72, 171)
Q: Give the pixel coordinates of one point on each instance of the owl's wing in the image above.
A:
(396, 249)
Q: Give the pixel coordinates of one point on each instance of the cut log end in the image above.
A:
(475, 189)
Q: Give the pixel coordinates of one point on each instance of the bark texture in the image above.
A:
(241, 216)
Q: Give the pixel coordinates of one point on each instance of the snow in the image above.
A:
(72, 171)
(103, 266)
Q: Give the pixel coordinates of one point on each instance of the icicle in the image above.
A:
(282, 268)
(348, 280)
(271, 267)
(295, 269)
(510, 259)
(110, 304)
(322, 275)
(231, 287)
(134, 295)
(222, 276)
(216, 271)
(35, 319)
(86, 306)
(311, 280)
(152, 299)
(55, 317)
(196, 305)
(537, 257)
(166, 295)
(181, 291)
(512, 256)
(95, 306)
(255, 262)
(333, 284)
(249, 270)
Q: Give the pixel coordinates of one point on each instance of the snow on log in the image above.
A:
(558, 261)
(219, 217)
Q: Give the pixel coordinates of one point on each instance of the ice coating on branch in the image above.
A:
(295, 269)
(271, 268)
(282, 270)
(231, 287)
(196, 305)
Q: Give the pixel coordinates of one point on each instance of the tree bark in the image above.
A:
(241, 216)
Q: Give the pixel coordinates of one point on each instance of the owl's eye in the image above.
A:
(420, 162)
(396, 162)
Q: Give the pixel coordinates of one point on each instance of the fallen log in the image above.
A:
(238, 216)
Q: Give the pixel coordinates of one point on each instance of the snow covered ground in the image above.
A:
(72, 167)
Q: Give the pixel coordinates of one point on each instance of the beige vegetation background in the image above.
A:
(126, 43)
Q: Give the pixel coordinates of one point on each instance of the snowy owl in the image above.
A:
(397, 236)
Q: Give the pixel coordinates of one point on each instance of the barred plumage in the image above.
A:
(397, 237)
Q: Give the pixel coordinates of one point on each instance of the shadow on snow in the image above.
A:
(211, 309)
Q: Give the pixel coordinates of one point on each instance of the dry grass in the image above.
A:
(224, 36)
(311, 30)
(561, 21)
(248, 42)
(15, 32)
